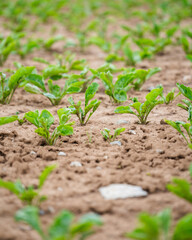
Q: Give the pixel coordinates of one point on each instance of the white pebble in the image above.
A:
(62, 154)
(132, 132)
(121, 191)
(116, 143)
(75, 164)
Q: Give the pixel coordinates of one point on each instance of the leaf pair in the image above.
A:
(10, 84)
(29, 195)
(7, 46)
(117, 91)
(90, 107)
(111, 137)
(63, 225)
(35, 84)
(44, 121)
(142, 110)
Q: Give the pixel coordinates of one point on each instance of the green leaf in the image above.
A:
(65, 130)
(9, 186)
(5, 120)
(123, 109)
(186, 91)
(19, 76)
(32, 89)
(46, 118)
(33, 117)
(36, 80)
(64, 115)
(53, 71)
(118, 131)
(90, 92)
(29, 215)
(61, 226)
(120, 95)
(183, 230)
(44, 175)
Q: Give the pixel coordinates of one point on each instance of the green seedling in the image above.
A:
(151, 47)
(131, 57)
(117, 91)
(90, 107)
(142, 75)
(180, 127)
(28, 47)
(113, 57)
(49, 43)
(142, 110)
(10, 84)
(170, 97)
(54, 72)
(63, 225)
(120, 42)
(7, 46)
(187, 46)
(187, 92)
(156, 227)
(100, 42)
(181, 187)
(138, 31)
(35, 84)
(44, 121)
(29, 195)
(111, 137)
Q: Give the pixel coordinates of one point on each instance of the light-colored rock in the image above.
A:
(98, 168)
(60, 189)
(33, 153)
(116, 143)
(121, 191)
(132, 132)
(160, 151)
(122, 122)
(75, 164)
(62, 154)
(187, 78)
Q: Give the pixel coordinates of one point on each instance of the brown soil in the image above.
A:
(138, 161)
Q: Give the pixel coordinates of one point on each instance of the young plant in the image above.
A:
(187, 46)
(44, 121)
(156, 227)
(141, 75)
(142, 110)
(7, 46)
(63, 225)
(170, 97)
(35, 84)
(90, 107)
(10, 84)
(49, 43)
(180, 127)
(131, 57)
(111, 137)
(186, 92)
(181, 187)
(117, 91)
(29, 195)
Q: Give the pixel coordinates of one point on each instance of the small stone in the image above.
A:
(60, 189)
(51, 209)
(98, 168)
(62, 154)
(150, 88)
(132, 132)
(186, 78)
(24, 228)
(123, 122)
(116, 143)
(75, 164)
(121, 191)
(105, 157)
(33, 153)
(41, 212)
(160, 151)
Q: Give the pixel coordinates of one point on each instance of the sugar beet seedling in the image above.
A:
(142, 110)
(111, 137)
(90, 107)
(44, 121)
(28, 195)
